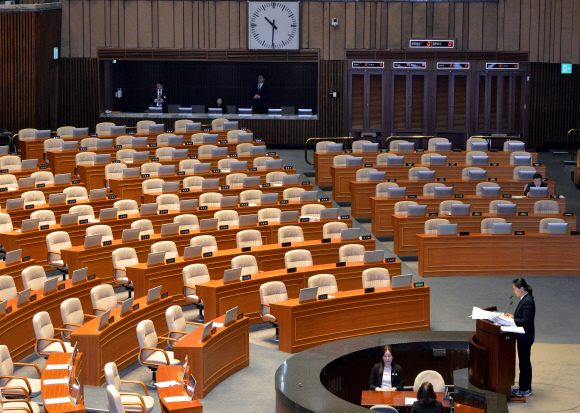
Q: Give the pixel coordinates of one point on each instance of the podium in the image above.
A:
(492, 357)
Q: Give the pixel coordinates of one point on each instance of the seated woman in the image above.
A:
(219, 103)
(386, 375)
(426, 400)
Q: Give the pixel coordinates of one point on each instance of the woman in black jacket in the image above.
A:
(386, 375)
(427, 400)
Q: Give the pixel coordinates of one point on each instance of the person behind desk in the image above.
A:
(537, 182)
(160, 95)
(427, 400)
(386, 375)
(219, 103)
(260, 96)
(524, 317)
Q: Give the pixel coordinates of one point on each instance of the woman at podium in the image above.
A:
(427, 400)
(524, 317)
(386, 375)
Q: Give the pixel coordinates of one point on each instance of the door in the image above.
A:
(451, 102)
(409, 102)
(366, 100)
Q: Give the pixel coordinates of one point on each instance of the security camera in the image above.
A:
(335, 21)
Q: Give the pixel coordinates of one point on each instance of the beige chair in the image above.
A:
(432, 377)
(445, 206)
(312, 210)
(192, 275)
(26, 134)
(382, 189)
(351, 253)
(383, 158)
(218, 124)
(251, 196)
(73, 317)
(51, 145)
(186, 165)
(104, 128)
(333, 229)
(376, 277)
(225, 164)
(114, 171)
(506, 143)
(187, 222)
(122, 258)
(125, 141)
(34, 198)
(275, 178)
(85, 158)
(479, 187)
(181, 125)
(432, 143)
(65, 131)
(298, 258)
(473, 140)
(204, 151)
(163, 139)
(167, 201)
(247, 263)
(394, 144)
(546, 207)
(126, 206)
(340, 160)
(151, 168)
(79, 193)
(103, 299)
(426, 158)
(383, 408)
(17, 380)
(260, 161)
(125, 155)
(465, 171)
(144, 225)
(5, 223)
(152, 186)
(143, 126)
(402, 207)
(105, 231)
(432, 224)
(11, 162)
(116, 405)
(543, 228)
(358, 145)
(45, 217)
(517, 170)
(207, 242)
(89, 143)
(55, 242)
(193, 182)
(168, 247)
(249, 238)
(45, 341)
(235, 180)
(165, 153)
(519, 153)
(9, 181)
(429, 189)
(487, 224)
(149, 354)
(42, 177)
(413, 173)
(34, 277)
(290, 233)
(471, 154)
(493, 204)
(271, 292)
(292, 194)
(127, 399)
(326, 283)
(232, 135)
(321, 146)
(269, 214)
(198, 137)
(7, 288)
(176, 324)
(243, 149)
(84, 211)
(210, 199)
(362, 175)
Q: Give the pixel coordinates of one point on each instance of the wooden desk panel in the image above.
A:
(54, 391)
(34, 149)
(168, 373)
(395, 398)
(27, 172)
(362, 192)
(218, 357)
(219, 297)
(324, 161)
(487, 254)
(350, 314)
(117, 342)
(15, 271)
(48, 189)
(406, 228)
(382, 208)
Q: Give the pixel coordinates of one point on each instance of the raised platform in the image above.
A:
(201, 116)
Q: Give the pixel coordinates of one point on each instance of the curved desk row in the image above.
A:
(14, 270)
(47, 189)
(52, 392)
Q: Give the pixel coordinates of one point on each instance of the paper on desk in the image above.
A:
(277, 184)
(57, 400)
(55, 381)
(310, 218)
(169, 383)
(218, 324)
(479, 314)
(57, 367)
(410, 400)
(252, 204)
(513, 329)
(176, 399)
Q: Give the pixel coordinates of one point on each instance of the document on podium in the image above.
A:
(479, 314)
(513, 329)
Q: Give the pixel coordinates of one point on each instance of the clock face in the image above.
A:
(274, 25)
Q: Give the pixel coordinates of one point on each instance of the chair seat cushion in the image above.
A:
(159, 358)
(34, 385)
(269, 317)
(55, 347)
(125, 280)
(149, 401)
(58, 263)
(195, 298)
(23, 406)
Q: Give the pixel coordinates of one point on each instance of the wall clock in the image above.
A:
(274, 25)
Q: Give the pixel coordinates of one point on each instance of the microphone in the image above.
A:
(503, 310)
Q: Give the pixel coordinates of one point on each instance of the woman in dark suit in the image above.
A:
(524, 317)
(427, 400)
(219, 103)
(386, 375)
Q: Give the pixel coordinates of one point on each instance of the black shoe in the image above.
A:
(521, 393)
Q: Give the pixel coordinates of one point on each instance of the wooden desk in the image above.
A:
(219, 297)
(397, 399)
(270, 257)
(218, 357)
(27, 172)
(168, 373)
(117, 342)
(55, 391)
(406, 228)
(350, 314)
(382, 207)
(487, 254)
(343, 175)
(16, 328)
(362, 192)
(34, 148)
(14, 270)
(47, 190)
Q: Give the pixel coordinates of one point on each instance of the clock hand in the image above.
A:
(273, 28)
(268, 20)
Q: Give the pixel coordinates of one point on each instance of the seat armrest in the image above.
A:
(18, 378)
(137, 382)
(152, 349)
(17, 363)
(56, 340)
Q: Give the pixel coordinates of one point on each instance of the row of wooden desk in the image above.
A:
(398, 399)
(25, 173)
(62, 390)
(47, 189)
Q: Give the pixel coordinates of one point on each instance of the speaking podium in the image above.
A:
(492, 357)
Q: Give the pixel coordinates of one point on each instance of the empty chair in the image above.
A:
(493, 204)
(351, 253)
(5, 223)
(290, 233)
(362, 175)
(207, 242)
(432, 377)
(167, 201)
(413, 173)
(275, 178)
(326, 283)
(232, 135)
(426, 157)
(473, 140)
(73, 317)
(260, 161)
(249, 238)
(76, 192)
(11, 162)
(312, 210)
(105, 231)
(382, 189)
(187, 165)
(85, 158)
(519, 153)
(193, 182)
(243, 149)
(204, 151)
(358, 145)
(445, 206)
(506, 143)
(251, 196)
(163, 139)
(465, 171)
(144, 225)
(84, 211)
(7, 288)
(517, 170)
(149, 355)
(122, 258)
(432, 143)
(333, 229)
(271, 292)
(269, 214)
(114, 171)
(225, 164)
(218, 124)
(125, 141)
(402, 207)
(429, 189)
(45, 217)
(543, 228)
(45, 341)
(227, 217)
(292, 194)
(15, 382)
(181, 125)
(115, 405)
(90, 143)
(383, 408)
(432, 224)
(125, 155)
(51, 145)
(103, 299)
(235, 180)
(126, 206)
(247, 263)
(104, 128)
(471, 154)
(56, 241)
(487, 224)
(340, 160)
(65, 131)
(198, 137)
(376, 277)
(26, 134)
(187, 221)
(42, 177)
(546, 207)
(298, 258)
(321, 146)
(143, 126)
(394, 144)
(168, 247)
(34, 198)
(129, 399)
(9, 181)
(479, 187)
(176, 324)
(152, 186)
(210, 199)
(33, 277)
(192, 275)
(151, 168)
(383, 158)
(165, 153)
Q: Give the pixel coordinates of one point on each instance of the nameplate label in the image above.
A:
(271, 153)
(246, 277)
(252, 169)
(240, 316)
(265, 185)
(305, 182)
(105, 243)
(233, 155)
(180, 173)
(419, 285)
(293, 269)
(288, 167)
(225, 187)
(3, 189)
(433, 214)
(224, 226)
(536, 164)
(184, 189)
(520, 232)
(76, 181)
(71, 201)
(494, 164)
(244, 204)
(8, 310)
(192, 156)
(83, 148)
(284, 201)
(411, 196)
(366, 237)
(568, 214)
(116, 161)
(323, 296)
(123, 216)
(522, 214)
(368, 165)
(32, 298)
(93, 135)
(369, 290)
(304, 219)
(169, 260)
(263, 223)
(207, 254)
(44, 226)
(152, 145)
(493, 150)
(144, 175)
(43, 167)
(202, 208)
(506, 195)
(257, 140)
(145, 237)
(112, 197)
(246, 249)
(341, 264)
(345, 217)
(213, 331)
(286, 244)
(389, 260)
(184, 231)
(215, 171)
(463, 233)
(452, 164)
(128, 133)
(458, 195)
(3, 171)
(222, 142)
(188, 143)
(326, 240)
(476, 214)
(91, 277)
(410, 164)
(323, 200)
(574, 232)
(118, 146)
(392, 180)
(164, 295)
(40, 185)
(83, 221)
(27, 258)
(164, 211)
(61, 287)
(135, 307)
(420, 150)
(441, 179)
(492, 179)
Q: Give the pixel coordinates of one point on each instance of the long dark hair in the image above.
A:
(425, 394)
(521, 283)
(384, 349)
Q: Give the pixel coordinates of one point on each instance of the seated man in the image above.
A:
(537, 182)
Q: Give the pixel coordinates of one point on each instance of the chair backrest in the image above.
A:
(351, 253)
(71, 311)
(260, 161)
(431, 376)
(43, 328)
(429, 189)
(340, 160)
(187, 221)
(382, 189)
(143, 126)
(25, 134)
(144, 225)
(243, 149)
(426, 157)
(376, 277)
(312, 210)
(33, 277)
(292, 194)
(152, 185)
(194, 274)
(445, 206)
(207, 242)
(383, 158)
(163, 138)
(487, 224)
(42, 177)
(333, 229)
(232, 135)
(85, 158)
(76, 192)
(168, 247)
(413, 173)
(210, 199)
(181, 125)
(235, 180)
(469, 155)
(252, 196)
(473, 140)
(543, 228)
(383, 408)
(126, 206)
(465, 171)
(402, 207)
(64, 132)
(114, 170)
(290, 233)
(298, 258)
(326, 283)
(225, 163)
(125, 141)
(204, 151)
(9, 180)
(394, 144)
(90, 143)
(493, 204)
(11, 162)
(112, 376)
(164, 153)
(52, 144)
(103, 297)
(114, 403)
(358, 145)
(431, 225)
(147, 337)
(275, 178)
(272, 292)
(123, 257)
(321, 146)
(519, 153)
(193, 182)
(269, 214)
(507, 143)
(8, 289)
(247, 263)
(546, 207)
(125, 155)
(34, 197)
(479, 187)
(218, 124)
(186, 165)
(227, 217)
(5, 223)
(362, 175)
(174, 318)
(84, 211)
(167, 201)
(151, 168)
(249, 238)
(55, 241)
(45, 217)
(431, 144)
(517, 170)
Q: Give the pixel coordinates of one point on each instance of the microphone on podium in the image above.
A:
(503, 310)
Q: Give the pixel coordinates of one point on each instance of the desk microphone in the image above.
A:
(505, 308)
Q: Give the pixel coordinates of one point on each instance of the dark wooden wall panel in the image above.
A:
(78, 94)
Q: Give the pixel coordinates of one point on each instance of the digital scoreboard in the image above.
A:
(432, 44)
